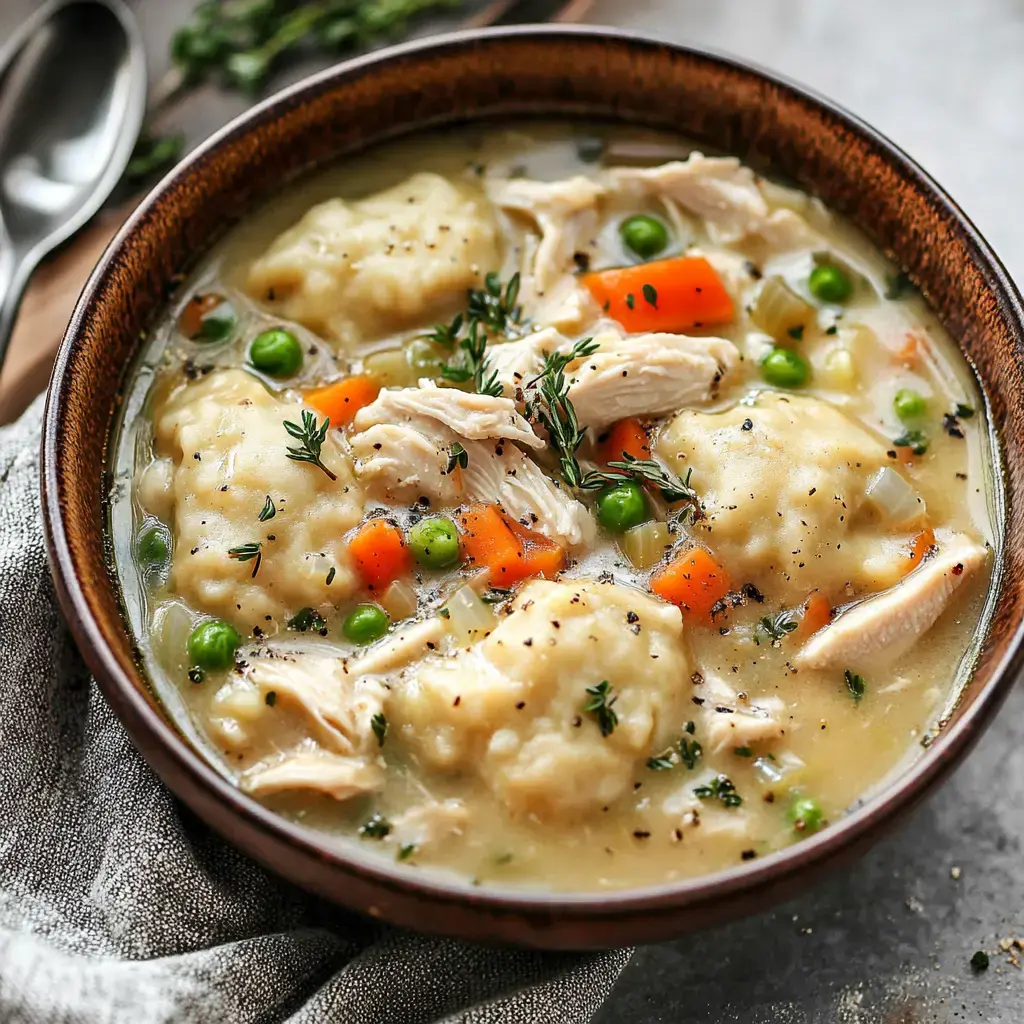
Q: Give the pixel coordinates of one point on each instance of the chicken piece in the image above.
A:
(339, 777)
(728, 722)
(565, 213)
(351, 271)
(473, 417)
(723, 193)
(887, 625)
(409, 641)
(512, 707)
(224, 439)
(429, 823)
(518, 362)
(338, 705)
(783, 484)
(647, 375)
(403, 449)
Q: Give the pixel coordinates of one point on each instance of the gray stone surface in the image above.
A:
(888, 941)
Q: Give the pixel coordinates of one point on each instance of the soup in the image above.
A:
(553, 508)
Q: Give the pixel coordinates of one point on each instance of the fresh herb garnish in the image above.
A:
(600, 705)
(855, 684)
(915, 440)
(651, 295)
(312, 436)
(457, 456)
(690, 751)
(306, 619)
(376, 827)
(248, 553)
(775, 627)
(653, 473)
(152, 154)
(964, 412)
(473, 365)
(661, 763)
(743, 751)
(269, 510)
(446, 335)
(379, 725)
(495, 307)
(720, 788)
(405, 852)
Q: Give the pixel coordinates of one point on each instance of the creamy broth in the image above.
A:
(621, 674)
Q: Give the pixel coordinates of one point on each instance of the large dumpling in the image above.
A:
(353, 271)
(223, 450)
(783, 482)
(512, 707)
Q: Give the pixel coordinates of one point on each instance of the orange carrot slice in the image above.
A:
(817, 614)
(625, 437)
(340, 401)
(509, 550)
(668, 295)
(694, 581)
(380, 553)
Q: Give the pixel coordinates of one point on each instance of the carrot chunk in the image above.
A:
(694, 581)
(340, 401)
(817, 614)
(380, 553)
(923, 544)
(509, 550)
(625, 437)
(668, 295)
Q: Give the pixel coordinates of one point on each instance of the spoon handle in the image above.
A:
(14, 275)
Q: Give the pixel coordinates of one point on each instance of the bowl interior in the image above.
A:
(499, 75)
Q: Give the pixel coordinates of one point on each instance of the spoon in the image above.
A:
(72, 99)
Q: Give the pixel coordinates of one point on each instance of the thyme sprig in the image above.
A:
(775, 628)
(602, 697)
(495, 307)
(473, 364)
(249, 553)
(720, 788)
(312, 438)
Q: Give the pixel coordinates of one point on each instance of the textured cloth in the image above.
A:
(118, 906)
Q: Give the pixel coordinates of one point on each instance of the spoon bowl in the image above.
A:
(72, 100)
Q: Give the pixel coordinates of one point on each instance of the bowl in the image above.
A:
(492, 75)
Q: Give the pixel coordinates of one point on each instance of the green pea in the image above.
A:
(806, 815)
(622, 506)
(909, 405)
(830, 284)
(435, 542)
(366, 623)
(646, 236)
(785, 368)
(153, 548)
(219, 324)
(212, 645)
(276, 352)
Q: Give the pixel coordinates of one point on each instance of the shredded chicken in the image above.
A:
(565, 213)
(518, 362)
(647, 375)
(430, 823)
(339, 777)
(409, 641)
(891, 623)
(728, 722)
(404, 443)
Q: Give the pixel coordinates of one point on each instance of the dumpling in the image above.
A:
(225, 438)
(352, 271)
(512, 707)
(783, 485)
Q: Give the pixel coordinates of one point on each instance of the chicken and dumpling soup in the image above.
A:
(554, 510)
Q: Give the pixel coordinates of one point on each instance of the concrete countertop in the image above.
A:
(888, 941)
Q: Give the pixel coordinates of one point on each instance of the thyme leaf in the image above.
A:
(379, 725)
(720, 788)
(915, 440)
(269, 510)
(855, 684)
(377, 827)
(775, 628)
(602, 698)
(249, 553)
(311, 437)
(457, 456)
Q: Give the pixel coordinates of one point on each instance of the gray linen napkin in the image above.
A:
(118, 906)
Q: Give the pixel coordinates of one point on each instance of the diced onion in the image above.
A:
(172, 625)
(390, 368)
(468, 617)
(399, 601)
(242, 702)
(778, 310)
(645, 545)
(897, 501)
(839, 371)
(772, 770)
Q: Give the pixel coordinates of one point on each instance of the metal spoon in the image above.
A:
(72, 99)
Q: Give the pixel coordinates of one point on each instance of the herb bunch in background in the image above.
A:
(240, 44)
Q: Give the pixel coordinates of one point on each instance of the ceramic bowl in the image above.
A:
(500, 75)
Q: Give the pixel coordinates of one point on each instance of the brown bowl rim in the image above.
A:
(149, 729)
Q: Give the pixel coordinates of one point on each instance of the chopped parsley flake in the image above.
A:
(855, 684)
(377, 827)
(600, 706)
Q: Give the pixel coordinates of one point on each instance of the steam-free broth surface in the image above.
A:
(557, 508)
